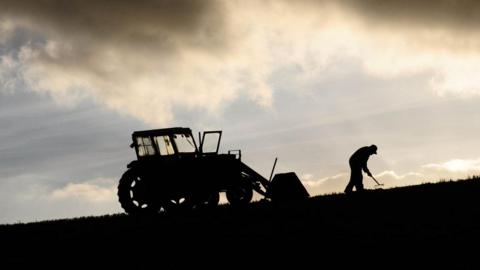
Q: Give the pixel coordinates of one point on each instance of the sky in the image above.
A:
(306, 81)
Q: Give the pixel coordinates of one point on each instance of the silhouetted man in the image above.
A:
(358, 162)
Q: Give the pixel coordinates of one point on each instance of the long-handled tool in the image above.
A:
(273, 169)
(378, 184)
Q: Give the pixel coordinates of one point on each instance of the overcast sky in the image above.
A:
(306, 81)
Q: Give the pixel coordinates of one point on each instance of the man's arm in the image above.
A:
(366, 170)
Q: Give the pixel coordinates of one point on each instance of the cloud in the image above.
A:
(308, 179)
(147, 58)
(6, 29)
(395, 176)
(330, 184)
(455, 15)
(141, 58)
(465, 166)
(94, 191)
(7, 73)
(393, 179)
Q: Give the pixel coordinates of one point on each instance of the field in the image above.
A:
(424, 226)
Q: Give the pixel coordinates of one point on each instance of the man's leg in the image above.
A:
(349, 187)
(359, 181)
(353, 176)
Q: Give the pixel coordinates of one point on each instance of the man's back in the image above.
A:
(360, 157)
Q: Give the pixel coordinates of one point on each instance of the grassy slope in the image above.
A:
(427, 226)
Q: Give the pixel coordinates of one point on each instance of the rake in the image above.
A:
(378, 184)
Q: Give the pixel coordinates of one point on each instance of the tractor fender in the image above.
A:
(132, 164)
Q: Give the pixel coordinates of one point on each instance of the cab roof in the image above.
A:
(162, 131)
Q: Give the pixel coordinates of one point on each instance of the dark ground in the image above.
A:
(428, 226)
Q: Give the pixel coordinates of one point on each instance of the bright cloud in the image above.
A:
(466, 166)
(91, 191)
(394, 175)
(330, 184)
(393, 179)
(312, 183)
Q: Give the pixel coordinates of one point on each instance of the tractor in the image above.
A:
(172, 172)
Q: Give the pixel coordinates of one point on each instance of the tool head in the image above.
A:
(377, 183)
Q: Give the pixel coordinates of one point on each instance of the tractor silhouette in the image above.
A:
(171, 172)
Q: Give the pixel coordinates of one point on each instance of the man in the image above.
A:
(358, 162)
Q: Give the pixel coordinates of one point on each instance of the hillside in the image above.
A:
(429, 225)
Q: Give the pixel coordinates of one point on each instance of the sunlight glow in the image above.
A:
(457, 165)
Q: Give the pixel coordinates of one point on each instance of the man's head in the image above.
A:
(373, 149)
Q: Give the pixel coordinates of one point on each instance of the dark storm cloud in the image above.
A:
(139, 22)
(114, 49)
(456, 14)
(147, 17)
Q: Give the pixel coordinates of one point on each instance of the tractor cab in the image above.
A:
(174, 142)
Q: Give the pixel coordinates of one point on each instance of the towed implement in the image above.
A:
(173, 172)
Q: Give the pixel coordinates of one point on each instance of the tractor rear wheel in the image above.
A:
(240, 194)
(133, 194)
